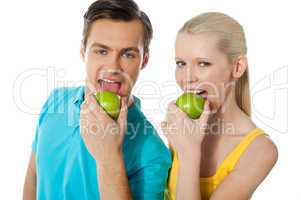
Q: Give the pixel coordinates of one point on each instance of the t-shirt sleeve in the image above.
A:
(149, 181)
(42, 114)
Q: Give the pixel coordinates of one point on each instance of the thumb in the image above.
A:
(206, 113)
(164, 129)
(122, 118)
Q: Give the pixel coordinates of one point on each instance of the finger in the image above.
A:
(90, 94)
(84, 108)
(173, 112)
(83, 105)
(180, 112)
(89, 88)
(172, 109)
(206, 112)
(171, 106)
(94, 107)
(164, 129)
(92, 103)
(90, 98)
(122, 118)
(167, 133)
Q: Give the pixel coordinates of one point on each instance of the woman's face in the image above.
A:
(202, 68)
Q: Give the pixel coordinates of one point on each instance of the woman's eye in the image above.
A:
(204, 64)
(180, 64)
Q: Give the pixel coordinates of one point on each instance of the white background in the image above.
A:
(39, 50)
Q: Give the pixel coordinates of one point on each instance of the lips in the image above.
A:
(199, 92)
(109, 85)
(204, 94)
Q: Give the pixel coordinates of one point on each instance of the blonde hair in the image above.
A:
(231, 41)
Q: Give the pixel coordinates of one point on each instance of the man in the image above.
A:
(79, 152)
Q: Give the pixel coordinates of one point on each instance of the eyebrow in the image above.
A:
(99, 45)
(131, 49)
(201, 58)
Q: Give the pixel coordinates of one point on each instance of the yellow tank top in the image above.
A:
(209, 184)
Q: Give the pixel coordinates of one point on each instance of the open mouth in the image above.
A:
(109, 85)
(201, 92)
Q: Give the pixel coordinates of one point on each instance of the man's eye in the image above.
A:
(180, 64)
(102, 52)
(128, 55)
(204, 64)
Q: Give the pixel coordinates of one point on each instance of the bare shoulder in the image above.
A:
(263, 147)
(262, 152)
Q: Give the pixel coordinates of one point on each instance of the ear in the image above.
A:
(145, 60)
(239, 66)
(82, 51)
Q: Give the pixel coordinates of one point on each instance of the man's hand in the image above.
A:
(101, 134)
(104, 138)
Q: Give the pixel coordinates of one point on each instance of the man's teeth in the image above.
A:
(107, 81)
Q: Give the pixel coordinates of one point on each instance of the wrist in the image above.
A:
(190, 165)
(109, 157)
(190, 156)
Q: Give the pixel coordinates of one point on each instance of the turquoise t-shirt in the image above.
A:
(66, 170)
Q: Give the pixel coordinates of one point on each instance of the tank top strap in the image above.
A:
(238, 151)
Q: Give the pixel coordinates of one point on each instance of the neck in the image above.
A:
(226, 117)
(130, 100)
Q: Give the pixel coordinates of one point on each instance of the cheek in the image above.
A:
(179, 77)
(218, 97)
(130, 73)
(91, 62)
(218, 78)
(217, 85)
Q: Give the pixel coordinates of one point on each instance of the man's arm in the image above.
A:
(103, 138)
(112, 178)
(29, 190)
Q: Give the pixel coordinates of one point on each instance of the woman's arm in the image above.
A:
(29, 190)
(188, 182)
(186, 136)
(250, 171)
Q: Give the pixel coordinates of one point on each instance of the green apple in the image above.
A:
(191, 104)
(110, 102)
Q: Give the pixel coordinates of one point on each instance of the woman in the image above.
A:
(222, 155)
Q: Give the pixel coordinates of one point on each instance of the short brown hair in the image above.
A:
(124, 10)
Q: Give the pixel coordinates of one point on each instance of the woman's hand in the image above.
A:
(185, 135)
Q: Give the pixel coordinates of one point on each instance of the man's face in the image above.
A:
(114, 55)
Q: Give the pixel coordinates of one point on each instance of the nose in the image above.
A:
(190, 75)
(113, 64)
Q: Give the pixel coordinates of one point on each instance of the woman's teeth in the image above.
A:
(200, 92)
